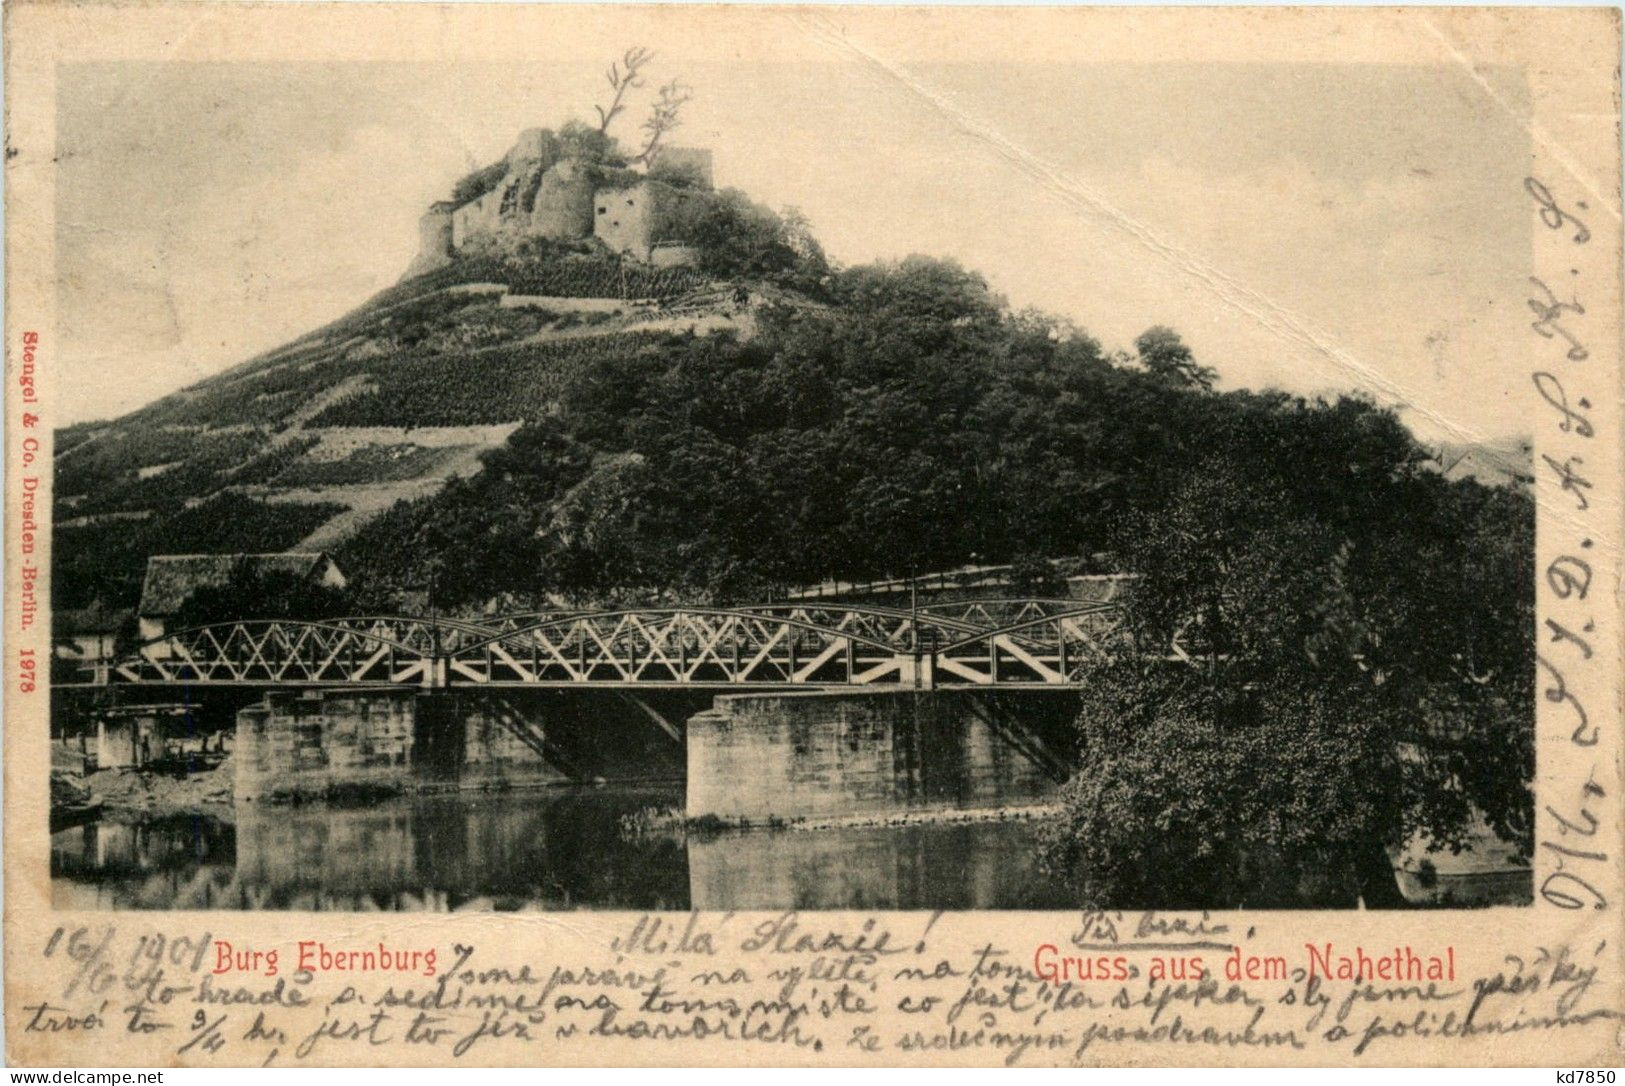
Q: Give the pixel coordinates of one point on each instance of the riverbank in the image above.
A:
(140, 793)
(670, 820)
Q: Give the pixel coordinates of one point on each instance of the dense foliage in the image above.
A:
(1362, 671)
(914, 424)
(263, 594)
(1336, 639)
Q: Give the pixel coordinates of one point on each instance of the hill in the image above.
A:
(1509, 460)
(541, 418)
(302, 446)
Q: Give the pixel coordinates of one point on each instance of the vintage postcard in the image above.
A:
(557, 535)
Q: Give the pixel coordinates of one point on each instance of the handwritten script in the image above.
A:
(858, 989)
(1574, 858)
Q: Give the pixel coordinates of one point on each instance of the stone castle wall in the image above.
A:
(644, 221)
(476, 218)
(561, 199)
(563, 207)
(623, 219)
(435, 246)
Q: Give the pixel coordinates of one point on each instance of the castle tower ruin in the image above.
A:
(563, 210)
(434, 239)
(540, 189)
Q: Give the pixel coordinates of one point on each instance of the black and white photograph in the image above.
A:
(711, 536)
(650, 481)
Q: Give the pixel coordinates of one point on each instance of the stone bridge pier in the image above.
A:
(324, 742)
(745, 758)
(758, 758)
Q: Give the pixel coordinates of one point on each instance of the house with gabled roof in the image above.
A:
(172, 579)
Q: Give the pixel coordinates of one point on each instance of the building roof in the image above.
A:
(84, 621)
(172, 578)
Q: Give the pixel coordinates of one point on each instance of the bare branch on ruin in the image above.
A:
(623, 75)
(664, 116)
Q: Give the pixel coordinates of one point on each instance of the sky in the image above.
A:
(1313, 227)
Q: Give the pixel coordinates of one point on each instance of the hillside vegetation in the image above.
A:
(1358, 619)
(880, 420)
(434, 352)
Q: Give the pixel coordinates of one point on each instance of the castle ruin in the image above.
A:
(545, 187)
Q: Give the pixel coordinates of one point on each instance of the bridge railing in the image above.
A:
(790, 644)
(285, 652)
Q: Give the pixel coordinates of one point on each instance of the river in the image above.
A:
(567, 849)
(559, 849)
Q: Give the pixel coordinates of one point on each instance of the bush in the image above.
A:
(474, 185)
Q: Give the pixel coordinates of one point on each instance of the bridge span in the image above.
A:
(1003, 643)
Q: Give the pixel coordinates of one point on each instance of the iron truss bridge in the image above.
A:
(1003, 643)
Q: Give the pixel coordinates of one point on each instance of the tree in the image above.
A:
(1357, 630)
(798, 234)
(1165, 356)
(740, 239)
(260, 594)
(1197, 795)
(664, 115)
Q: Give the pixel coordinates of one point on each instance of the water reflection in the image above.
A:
(553, 850)
(564, 849)
(977, 865)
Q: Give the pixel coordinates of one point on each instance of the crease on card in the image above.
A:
(1276, 319)
(1537, 134)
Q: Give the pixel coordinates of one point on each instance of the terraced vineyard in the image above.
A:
(497, 385)
(370, 464)
(139, 468)
(243, 460)
(605, 279)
